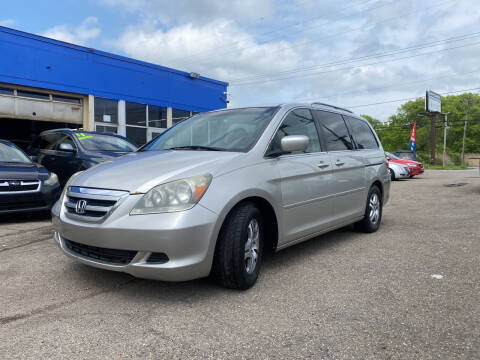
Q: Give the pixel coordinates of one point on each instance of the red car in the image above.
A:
(415, 167)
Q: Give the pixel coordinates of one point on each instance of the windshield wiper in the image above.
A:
(195, 147)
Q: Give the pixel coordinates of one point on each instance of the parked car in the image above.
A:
(66, 151)
(415, 167)
(405, 154)
(24, 185)
(398, 171)
(215, 191)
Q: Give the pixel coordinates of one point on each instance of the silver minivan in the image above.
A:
(215, 192)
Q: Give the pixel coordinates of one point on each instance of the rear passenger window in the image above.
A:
(298, 122)
(50, 141)
(362, 134)
(335, 131)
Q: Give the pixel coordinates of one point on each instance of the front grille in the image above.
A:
(114, 256)
(19, 186)
(89, 204)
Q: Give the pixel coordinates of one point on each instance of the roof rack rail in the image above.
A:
(332, 106)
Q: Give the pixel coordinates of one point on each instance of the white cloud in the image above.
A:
(226, 50)
(87, 30)
(7, 22)
(225, 40)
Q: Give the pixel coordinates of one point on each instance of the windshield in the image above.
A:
(390, 155)
(98, 142)
(226, 130)
(407, 156)
(10, 153)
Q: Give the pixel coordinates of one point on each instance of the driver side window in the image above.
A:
(297, 122)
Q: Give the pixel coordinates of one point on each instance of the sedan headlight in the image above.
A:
(174, 196)
(412, 164)
(52, 179)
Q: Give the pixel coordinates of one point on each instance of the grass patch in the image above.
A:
(447, 167)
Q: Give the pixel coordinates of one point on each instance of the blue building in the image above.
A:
(45, 84)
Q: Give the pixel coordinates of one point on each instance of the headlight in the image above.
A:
(412, 164)
(174, 196)
(52, 180)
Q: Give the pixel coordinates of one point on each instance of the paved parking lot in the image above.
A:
(342, 295)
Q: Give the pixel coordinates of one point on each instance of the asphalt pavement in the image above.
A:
(409, 291)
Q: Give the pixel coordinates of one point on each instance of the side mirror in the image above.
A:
(66, 147)
(294, 143)
(34, 158)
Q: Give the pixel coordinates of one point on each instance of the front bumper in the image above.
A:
(41, 200)
(187, 238)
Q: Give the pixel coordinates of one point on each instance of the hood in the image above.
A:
(140, 171)
(22, 171)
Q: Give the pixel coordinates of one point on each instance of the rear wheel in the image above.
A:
(238, 254)
(373, 212)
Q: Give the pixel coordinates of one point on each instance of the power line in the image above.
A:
(388, 86)
(396, 17)
(283, 28)
(365, 57)
(355, 66)
(408, 99)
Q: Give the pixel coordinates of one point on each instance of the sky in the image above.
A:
(364, 54)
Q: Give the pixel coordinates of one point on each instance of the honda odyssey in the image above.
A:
(214, 192)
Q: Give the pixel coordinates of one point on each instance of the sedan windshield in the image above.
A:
(226, 130)
(97, 142)
(11, 154)
(390, 155)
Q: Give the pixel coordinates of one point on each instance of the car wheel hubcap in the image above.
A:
(374, 205)
(252, 245)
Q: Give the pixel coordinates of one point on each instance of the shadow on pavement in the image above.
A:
(152, 291)
(24, 217)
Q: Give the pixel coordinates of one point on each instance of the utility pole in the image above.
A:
(444, 139)
(465, 131)
(432, 138)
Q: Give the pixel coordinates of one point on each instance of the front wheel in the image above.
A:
(238, 254)
(392, 174)
(373, 212)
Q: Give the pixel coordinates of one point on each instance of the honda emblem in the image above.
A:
(80, 206)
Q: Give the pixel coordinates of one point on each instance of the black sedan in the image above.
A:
(24, 185)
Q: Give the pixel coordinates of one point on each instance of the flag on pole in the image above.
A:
(413, 144)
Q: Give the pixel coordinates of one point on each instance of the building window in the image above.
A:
(66, 99)
(33, 95)
(6, 91)
(179, 115)
(106, 128)
(137, 135)
(157, 116)
(106, 110)
(136, 121)
(136, 114)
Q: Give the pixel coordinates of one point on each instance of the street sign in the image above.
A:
(433, 102)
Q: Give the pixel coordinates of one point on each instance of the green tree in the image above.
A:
(395, 133)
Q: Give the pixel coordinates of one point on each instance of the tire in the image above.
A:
(411, 176)
(392, 174)
(243, 228)
(373, 212)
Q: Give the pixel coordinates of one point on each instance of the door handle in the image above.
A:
(339, 163)
(322, 165)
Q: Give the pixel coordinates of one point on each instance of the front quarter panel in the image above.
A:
(256, 180)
